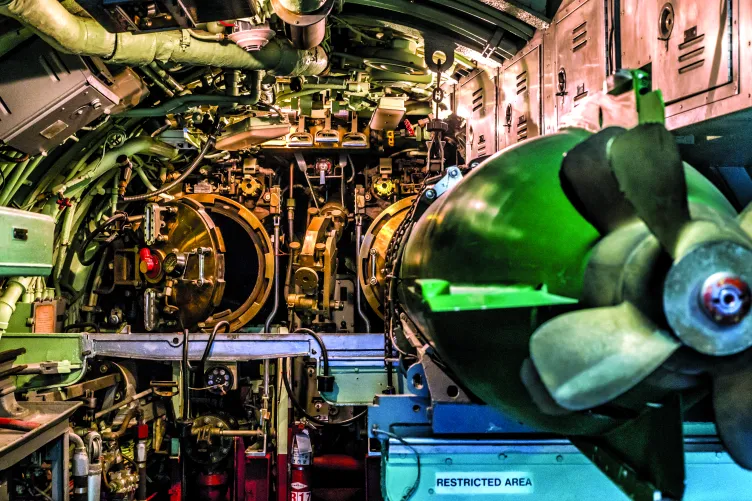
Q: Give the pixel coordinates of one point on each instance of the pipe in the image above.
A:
(310, 89)
(137, 396)
(157, 81)
(167, 78)
(140, 457)
(219, 432)
(17, 172)
(275, 308)
(232, 83)
(80, 468)
(138, 145)
(187, 172)
(144, 179)
(270, 318)
(13, 190)
(94, 448)
(114, 435)
(79, 35)
(182, 103)
(186, 380)
(358, 291)
(254, 79)
(14, 289)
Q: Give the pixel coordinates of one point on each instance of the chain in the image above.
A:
(392, 255)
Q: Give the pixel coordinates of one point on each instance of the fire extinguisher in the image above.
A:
(301, 460)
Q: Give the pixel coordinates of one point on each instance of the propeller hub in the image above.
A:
(709, 312)
(725, 297)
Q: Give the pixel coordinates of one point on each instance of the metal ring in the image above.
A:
(308, 19)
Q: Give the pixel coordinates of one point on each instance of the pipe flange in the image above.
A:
(307, 19)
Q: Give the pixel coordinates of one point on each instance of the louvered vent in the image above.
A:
(579, 37)
(478, 100)
(692, 51)
(521, 82)
(521, 128)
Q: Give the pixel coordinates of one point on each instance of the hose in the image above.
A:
(15, 160)
(305, 413)
(80, 326)
(187, 172)
(210, 342)
(119, 216)
(322, 346)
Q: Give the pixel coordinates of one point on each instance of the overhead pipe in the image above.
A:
(78, 35)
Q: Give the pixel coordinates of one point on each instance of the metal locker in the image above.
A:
(520, 97)
(694, 49)
(580, 53)
(637, 19)
(477, 101)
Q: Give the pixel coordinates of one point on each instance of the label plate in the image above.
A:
(492, 482)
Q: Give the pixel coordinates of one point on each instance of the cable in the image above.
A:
(99, 229)
(210, 342)
(81, 326)
(305, 413)
(324, 352)
(187, 172)
(15, 160)
(409, 492)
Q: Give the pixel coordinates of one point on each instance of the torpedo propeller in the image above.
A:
(622, 181)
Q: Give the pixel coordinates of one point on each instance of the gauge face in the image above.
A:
(218, 379)
(173, 264)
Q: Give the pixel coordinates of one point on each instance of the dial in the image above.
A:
(219, 379)
(174, 264)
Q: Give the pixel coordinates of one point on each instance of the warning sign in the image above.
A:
(506, 482)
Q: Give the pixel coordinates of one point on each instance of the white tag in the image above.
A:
(496, 482)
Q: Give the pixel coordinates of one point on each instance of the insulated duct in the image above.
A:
(77, 35)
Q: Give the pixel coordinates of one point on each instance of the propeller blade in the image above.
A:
(650, 173)
(587, 358)
(732, 401)
(590, 185)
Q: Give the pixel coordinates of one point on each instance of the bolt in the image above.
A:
(453, 173)
(502, 456)
(559, 458)
(430, 194)
(430, 491)
(726, 298)
(448, 461)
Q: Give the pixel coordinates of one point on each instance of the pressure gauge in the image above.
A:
(219, 379)
(174, 264)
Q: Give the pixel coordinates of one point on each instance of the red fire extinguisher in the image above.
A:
(301, 460)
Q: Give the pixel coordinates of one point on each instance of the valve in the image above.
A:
(149, 265)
